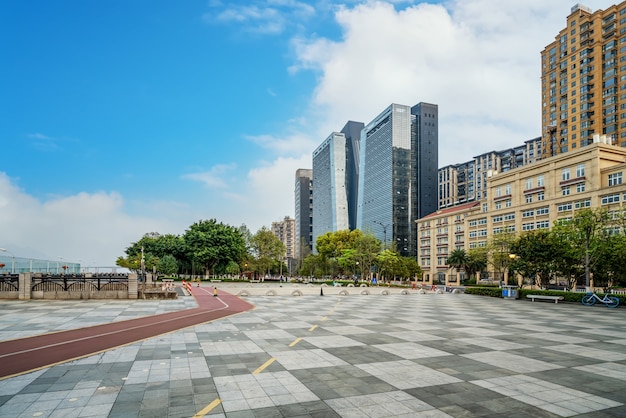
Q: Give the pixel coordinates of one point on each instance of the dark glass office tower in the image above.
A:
(398, 174)
(304, 212)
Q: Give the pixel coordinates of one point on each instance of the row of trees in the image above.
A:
(354, 253)
(207, 247)
(589, 246)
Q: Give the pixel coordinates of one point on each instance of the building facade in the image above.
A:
(530, 197)
(398, 173)
(330, 186)
(352, 132)
(467, 182)
(285, 231)
(583, 81)
(303, 234)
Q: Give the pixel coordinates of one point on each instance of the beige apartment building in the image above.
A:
(583, 81)
(523, 199)
(285, 231)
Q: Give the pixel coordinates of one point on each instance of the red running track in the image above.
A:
(32, 353)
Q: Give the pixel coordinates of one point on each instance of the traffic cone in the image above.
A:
(215, 291)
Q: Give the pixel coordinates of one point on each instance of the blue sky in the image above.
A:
(125, 117)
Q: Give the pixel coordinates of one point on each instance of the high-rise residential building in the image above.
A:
(398, 173)
(285, 231)
(303, 234)
(531, 197)
(466, 182)
(583, 78)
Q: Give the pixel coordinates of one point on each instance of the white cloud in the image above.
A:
(480, 63)
(271, 17)
(94, 228)
(289, 145)
(213, 178)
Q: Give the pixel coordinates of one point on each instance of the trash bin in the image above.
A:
(510, 292)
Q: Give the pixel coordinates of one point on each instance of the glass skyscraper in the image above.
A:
(398, 174)
(303, 234)
(330, 197)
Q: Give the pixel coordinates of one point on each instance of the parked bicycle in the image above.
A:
(591, 298)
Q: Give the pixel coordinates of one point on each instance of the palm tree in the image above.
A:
(476, 262)
(457, 259)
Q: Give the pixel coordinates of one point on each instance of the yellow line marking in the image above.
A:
(208, 408)
(296, 341)
(324, 318)
(264, 366)
(312, 328)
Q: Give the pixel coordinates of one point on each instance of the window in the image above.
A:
(529, 184)
(565, 191)
(580, 170)
(541, 196)
(563, 207)
(529, 198)
(528, 213)
(497, 218)
(498, 191)
(509, 216)
(612, 198)
(482, 221)
(580, 187)
(615, 179)
(498, 205)
(507, 203)
(565, 174)
(543, 225)
(497, 230)
(507, 189)
(485, 207)
(543, 211)
(528, 226)
(582, 204)
(540, 180)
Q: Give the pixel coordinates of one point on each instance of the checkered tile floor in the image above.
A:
(356, 356)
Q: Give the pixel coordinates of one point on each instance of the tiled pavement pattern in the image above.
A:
(355, 356)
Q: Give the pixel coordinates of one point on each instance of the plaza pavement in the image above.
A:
(414, 355)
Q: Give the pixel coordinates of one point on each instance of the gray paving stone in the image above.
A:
(396, 355)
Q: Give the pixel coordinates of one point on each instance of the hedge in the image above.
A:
(575, 297)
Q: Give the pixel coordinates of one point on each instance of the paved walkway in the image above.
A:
(351, 356)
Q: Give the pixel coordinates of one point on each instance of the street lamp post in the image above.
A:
(12, 259)
(385, 226)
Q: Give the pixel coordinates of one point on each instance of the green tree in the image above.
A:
(312, 266)
(167, 265)
(457, 259)
(331, 247)
(267, 249)
(210, 243)
(537, 254)
(584, 231)
(476, 262)
(366, 248)
(500, 249)
(387, 263)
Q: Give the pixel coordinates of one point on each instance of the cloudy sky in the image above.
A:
(120, 118)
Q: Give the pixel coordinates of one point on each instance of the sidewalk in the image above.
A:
(362, 356)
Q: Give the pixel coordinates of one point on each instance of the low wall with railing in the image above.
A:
(75, 286)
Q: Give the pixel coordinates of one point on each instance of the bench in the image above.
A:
(215, 281)
(556, 299)
(255, 281)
